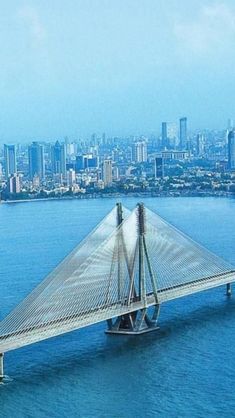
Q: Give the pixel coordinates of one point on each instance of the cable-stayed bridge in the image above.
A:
(122, 272)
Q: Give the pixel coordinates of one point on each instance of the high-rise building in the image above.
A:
(183, 133)
(91, 161)
(58, 158)
(200, 145)
(10, 160)
(115, 173)
(79, 164)
(13, 183)
(159, 167)
(106, 173)
(226, 136)
(71, 177)
(169, 135)
(36, 161)
(139, 152)
(71, 149)
(164, 135)
(231, 150)
(86, 161)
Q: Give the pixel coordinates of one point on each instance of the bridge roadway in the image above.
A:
(70, 323)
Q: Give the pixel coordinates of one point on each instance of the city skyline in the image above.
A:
(176, 162)
(67, 71)
(173, 126)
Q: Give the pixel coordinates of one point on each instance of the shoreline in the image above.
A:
(121, 195)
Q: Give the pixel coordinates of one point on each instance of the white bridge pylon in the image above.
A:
(131, 261)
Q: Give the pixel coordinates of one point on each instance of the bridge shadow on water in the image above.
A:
(76, 352)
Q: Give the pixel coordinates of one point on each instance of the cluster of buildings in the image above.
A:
(101, 164)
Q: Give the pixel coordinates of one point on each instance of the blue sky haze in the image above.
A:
(120, 66)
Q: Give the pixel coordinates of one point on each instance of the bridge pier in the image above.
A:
(134, 323)
(1, 367)
(229, 289)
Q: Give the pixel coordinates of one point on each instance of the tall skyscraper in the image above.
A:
(231, 150)
(159, 167)
(10, 160)
(71, 149)
(164, 135)
(200, 145)
(106, 173)
(169, 135)
(58, 158)
(183, 133)
(36, 161)
(139, 152)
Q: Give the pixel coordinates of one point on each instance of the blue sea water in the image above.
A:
(186, 369)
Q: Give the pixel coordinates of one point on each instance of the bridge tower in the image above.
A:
(143, 319)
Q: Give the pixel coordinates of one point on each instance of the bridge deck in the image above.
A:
(57, 327)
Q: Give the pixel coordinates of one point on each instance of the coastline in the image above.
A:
(122, 195)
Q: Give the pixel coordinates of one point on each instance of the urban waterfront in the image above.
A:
(184, 369)
(175, 163)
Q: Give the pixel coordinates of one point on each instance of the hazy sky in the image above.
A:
(122, 66)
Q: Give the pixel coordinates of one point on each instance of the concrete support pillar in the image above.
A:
(138, 321)
(119, 214)
(1, 366)
(119, 242)
(141, 225)
(229, 289)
